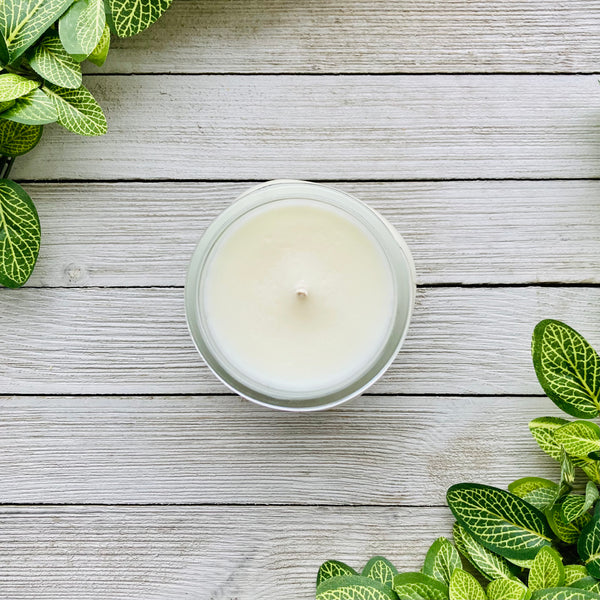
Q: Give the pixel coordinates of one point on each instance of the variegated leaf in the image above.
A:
(17, 139)
(132, 16)
(499, 520)
(354, 587)
(54, 63)
(19, 234)
(380, 569)
(490, 565)
(568, 368)
(33, 109)
(22, 22)
(442, 560)
(14, 86)
(77, 110)
(463, 586)
(547, 570)
(333, 568)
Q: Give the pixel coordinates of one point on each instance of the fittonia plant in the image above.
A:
(538, 540)
(42, 46)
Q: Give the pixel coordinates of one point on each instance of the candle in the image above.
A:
(299, 295)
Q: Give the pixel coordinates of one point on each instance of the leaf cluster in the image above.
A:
(537, 540)
(42, 46)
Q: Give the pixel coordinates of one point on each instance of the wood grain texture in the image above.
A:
(331, 127)
(121, 341)
(337, 36)
(460, 232)
(223, 450)
(200, 553)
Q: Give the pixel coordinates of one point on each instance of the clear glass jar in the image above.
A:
(393, 247)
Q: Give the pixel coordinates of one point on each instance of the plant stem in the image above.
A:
(9, 166)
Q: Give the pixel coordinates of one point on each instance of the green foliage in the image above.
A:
(507, 589)
(441, 561)
(51, 61)
(490, 565)
(463, 586)
(42, 43)
(17, 139)
(547, 570)
(418, 586)
(333, 568)
(499, 520)
(19, 234)
(526, 534)
(33, 109)
(380, 569)
(525, 485)
(14, 86)
(564, 593)
(354, 587)
(130, 17)
(567, 367)
(579, 438)
(574, 573)
(588, 545)
(77, 110)
(22, 22)
(575, 506)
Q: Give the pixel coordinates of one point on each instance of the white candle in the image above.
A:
(298, 295)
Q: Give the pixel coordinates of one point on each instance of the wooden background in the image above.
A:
(127, 471)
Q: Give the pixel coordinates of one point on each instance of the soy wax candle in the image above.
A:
(299, 296)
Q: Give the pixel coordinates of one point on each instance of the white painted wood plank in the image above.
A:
(136, 341)
(365, 36)
(197, 450)
(200, 553)
(460, 232)
(328, 127)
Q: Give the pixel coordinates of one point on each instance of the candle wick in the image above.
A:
(302, 293)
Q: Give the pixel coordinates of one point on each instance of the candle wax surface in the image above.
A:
(298, 296)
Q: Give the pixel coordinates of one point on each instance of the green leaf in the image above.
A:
(33, 109)
(100, 52)
(579, 438)
(590, 467)
(587, 583)
(499, 520)
(525, 485)
(77, 110)
(4, 58)
(333, 568)
(567, 367)
(463, 586)
(380, 569)
(543, 429)
(567, 478)
(574, 506)
(588, 545)
(490, 565)
(14, 86)
(90, 24)
(564, 593)
(542, 498)
(441, 560)
(6, 105)
(17, 139)
(19, 234)
(54, 63)
(507, 589)
(547, 570)
(132, 16)
(81, 27)
(22, 22)
(574, 573)
(566, 532)
(354, 587)
(418, 586)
